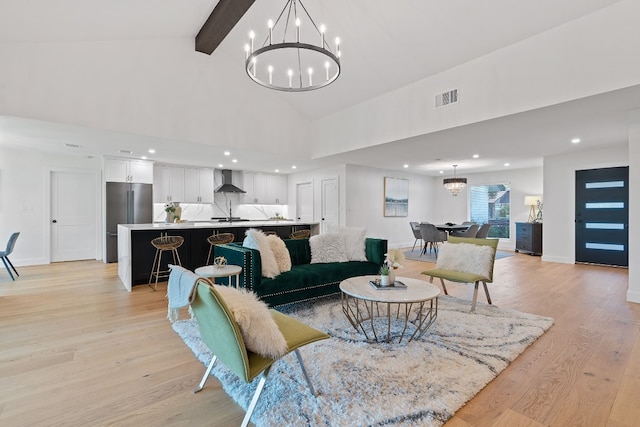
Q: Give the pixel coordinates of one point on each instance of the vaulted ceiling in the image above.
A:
(387, 46)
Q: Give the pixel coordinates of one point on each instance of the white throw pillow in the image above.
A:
(259, 331)
(466, 258)
(354, 238)
(327, 248)
(280, 252)
(256, 239)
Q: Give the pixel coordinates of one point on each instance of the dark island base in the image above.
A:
(194, 250)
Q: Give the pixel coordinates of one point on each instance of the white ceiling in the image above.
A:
(386, 45)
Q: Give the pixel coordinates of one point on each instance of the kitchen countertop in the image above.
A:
(213, 224)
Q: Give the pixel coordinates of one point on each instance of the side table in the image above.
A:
(226, 271)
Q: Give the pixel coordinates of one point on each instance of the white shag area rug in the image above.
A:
(359, 383)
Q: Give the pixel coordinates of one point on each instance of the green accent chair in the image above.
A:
(463, 277)
(221, 334)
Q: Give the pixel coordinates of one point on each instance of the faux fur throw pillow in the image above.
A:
(281, 253)
(256, 239)
(354, 242)
(466, 258)
(327, 248)
(259, 331)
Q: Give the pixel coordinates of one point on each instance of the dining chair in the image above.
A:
(431, 236)
(221, 333)
(469, 232)
(415, 228)
(5, 255)
(483, 232)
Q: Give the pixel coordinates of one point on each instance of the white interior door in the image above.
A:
(304, 202)
(73, 216)
(330, 204)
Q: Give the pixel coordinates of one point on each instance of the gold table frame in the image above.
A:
(362, 307)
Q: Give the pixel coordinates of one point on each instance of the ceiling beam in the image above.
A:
(224, 17)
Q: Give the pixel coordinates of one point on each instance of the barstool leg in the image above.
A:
(155, 287)
(209, 255)
(153, 267)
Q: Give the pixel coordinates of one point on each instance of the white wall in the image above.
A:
(365, 203)
(24, 178)
(591, 55)
(559, 196)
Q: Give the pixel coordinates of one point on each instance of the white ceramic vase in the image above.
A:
(392, 276)
(384, 280)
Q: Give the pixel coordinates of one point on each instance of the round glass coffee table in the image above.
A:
(366, 307)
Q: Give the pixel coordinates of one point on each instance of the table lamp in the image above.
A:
(532, 201)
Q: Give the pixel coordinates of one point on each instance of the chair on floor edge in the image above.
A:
(221, 333)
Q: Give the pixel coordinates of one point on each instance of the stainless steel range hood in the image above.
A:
(227, 184)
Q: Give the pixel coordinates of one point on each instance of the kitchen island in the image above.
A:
(135, 252)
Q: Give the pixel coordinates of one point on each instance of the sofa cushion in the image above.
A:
(299, 251)
(256, 239)
(280, 252)
(354, 238)
(327, 248)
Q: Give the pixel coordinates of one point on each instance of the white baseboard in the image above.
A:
(560, 260)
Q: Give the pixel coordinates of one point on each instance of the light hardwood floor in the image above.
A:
(76, 349)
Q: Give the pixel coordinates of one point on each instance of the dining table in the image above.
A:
(453, 227)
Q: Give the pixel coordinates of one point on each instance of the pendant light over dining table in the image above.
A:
(455, 184)
(295, 55)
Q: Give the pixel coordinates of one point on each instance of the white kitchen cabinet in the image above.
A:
(168, 184)
(265, 189)
(198, 185)
(277, 189)
(124, 170)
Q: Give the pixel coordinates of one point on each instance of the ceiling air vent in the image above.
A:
(446, 98)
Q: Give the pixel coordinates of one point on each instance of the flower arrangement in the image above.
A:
(394, 258)
(384, 270)
(169, 207)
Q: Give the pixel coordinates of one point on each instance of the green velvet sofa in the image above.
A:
(305, 281)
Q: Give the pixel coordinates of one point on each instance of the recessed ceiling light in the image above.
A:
(234, 160)
(575, 140)
(144, 157)
(294, 167)
(152, 151)
(226, 153)
(220, 165)
(277, 170)
(406, 166)
(507, 164)
(475, 156)
(441, 172)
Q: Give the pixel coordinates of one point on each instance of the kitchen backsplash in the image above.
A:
(204, 212)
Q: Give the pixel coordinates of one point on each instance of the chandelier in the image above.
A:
(455, 184)
(295, 56)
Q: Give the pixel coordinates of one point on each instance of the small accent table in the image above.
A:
(362, 304)
(226, 271)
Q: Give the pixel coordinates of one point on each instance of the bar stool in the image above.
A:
(300, 234)
(164, 243)
(218, 239)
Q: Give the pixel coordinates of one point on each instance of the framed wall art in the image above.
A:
(396, 196)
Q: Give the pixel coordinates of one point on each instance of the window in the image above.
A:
(491, 204)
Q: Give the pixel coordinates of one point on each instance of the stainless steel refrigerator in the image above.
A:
(127, 203)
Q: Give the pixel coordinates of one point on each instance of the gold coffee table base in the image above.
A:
(366, 309)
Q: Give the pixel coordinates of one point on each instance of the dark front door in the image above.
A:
(602, 216)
